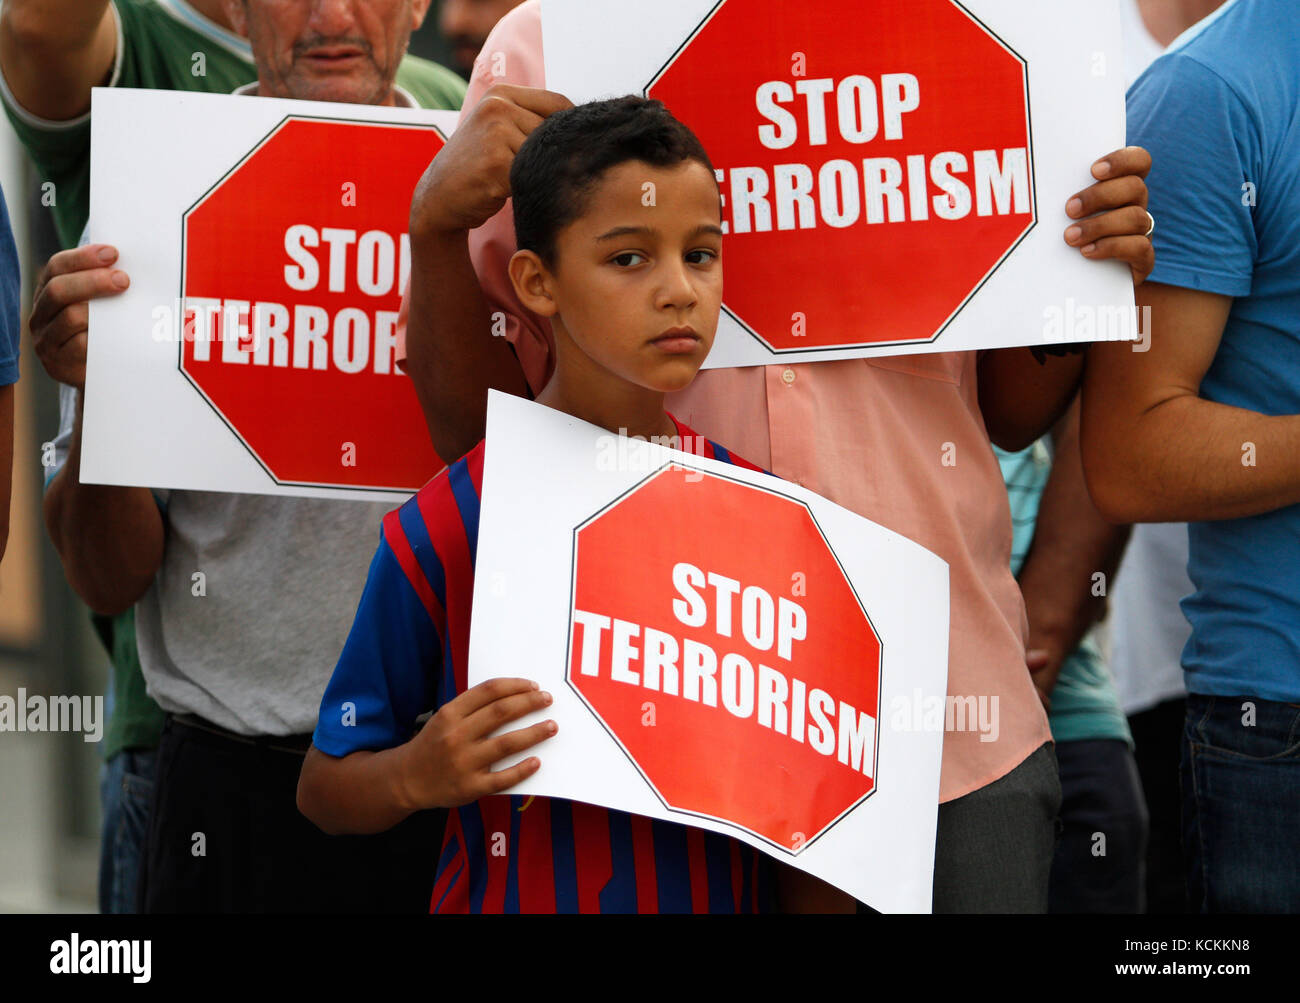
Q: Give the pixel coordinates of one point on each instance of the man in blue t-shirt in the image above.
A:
(10, 285)
(1204, 426)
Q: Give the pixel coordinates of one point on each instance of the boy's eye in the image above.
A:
(701, 256)
(627, 259)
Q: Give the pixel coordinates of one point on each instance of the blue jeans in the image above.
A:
(1241, 804)
(126, 792)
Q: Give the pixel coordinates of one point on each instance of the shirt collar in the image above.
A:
(181, 11)
(404, 98)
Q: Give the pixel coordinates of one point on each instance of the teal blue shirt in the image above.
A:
(1084, 702)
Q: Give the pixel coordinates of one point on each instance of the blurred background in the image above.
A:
(49, 783)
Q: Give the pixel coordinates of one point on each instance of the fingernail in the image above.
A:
(1089, 249)
(546, 698)
(1101, 168)
(107, 254)
(534, 684)
(1073, 234)
(552, 727)
(1074, 207)
(121, 280)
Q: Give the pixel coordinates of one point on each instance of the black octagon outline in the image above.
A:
(1033, 198)
(568, 653)
(180, 320)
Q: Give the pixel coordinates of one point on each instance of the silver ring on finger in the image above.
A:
(1152, 228)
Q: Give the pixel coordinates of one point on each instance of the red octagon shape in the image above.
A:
(845, 134)
(709, 684)
(307, 237)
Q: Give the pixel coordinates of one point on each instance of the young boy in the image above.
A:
(618, 224)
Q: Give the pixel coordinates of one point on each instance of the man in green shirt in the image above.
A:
(52, 52)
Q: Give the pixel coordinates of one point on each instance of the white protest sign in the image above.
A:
(894, 173)
(267, 248)
(726, 649)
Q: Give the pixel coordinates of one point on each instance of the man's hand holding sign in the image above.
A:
(1025, 391)
(291, 220)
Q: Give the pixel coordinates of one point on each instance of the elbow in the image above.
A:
(1012, 440)
(1112, 501)
(112, 592)
(23, 27)
(1111, 481)
(106, 593)
(310, 803)
(1008, 431)
(108, 602)
(26, 28)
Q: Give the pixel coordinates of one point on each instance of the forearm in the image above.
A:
(1073, 545)
(452, 356)
(357, 794)
(54, 51)
(109, 538)
(1022, 399)
(1191, 460)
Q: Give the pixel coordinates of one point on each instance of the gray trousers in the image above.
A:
(994, 846)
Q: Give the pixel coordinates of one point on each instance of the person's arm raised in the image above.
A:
(53, 52)
(1154, 450)
(452, 357)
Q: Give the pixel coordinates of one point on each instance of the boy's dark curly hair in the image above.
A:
(561, 160)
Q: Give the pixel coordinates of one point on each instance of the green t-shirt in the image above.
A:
(167, 45)
(163, 45)
(1084, 703)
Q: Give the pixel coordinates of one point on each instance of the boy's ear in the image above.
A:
(532, 283)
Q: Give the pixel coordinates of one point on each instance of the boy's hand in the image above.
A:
(468, 182)
(61, 311)
(448, 763)
(1117, 206)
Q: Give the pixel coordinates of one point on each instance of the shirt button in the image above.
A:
(788, 376)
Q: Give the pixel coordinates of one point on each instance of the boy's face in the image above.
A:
(637, 278)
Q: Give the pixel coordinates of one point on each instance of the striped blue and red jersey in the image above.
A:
(407, 654)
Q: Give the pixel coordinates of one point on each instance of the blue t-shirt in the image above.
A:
(10, 286)
(1220, 114)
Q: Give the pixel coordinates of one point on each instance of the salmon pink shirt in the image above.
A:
(900, 441)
